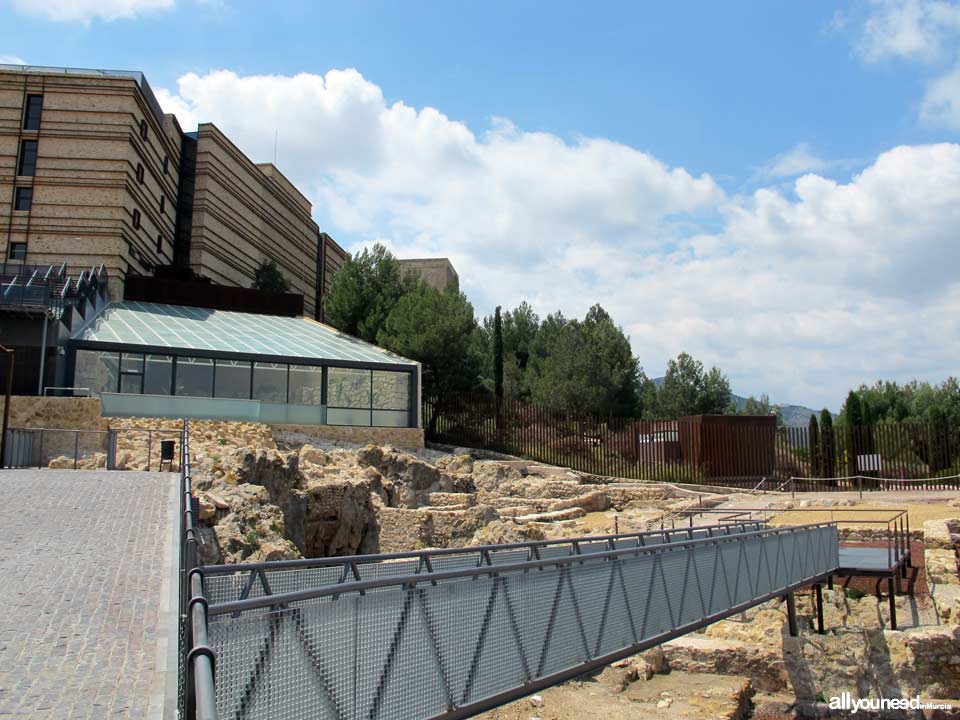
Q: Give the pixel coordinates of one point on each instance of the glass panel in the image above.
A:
(233, 379)
(194, 377)
(158, 373)
(131, 362)
(270, 382)
(98, 371)
(391, 390)
(391, 418)
(131, 383)
(341, 416)
(306, 385)
(348, 388)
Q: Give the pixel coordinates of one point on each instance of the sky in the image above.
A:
(771, 187)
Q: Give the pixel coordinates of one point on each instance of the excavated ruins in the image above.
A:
(270, 497)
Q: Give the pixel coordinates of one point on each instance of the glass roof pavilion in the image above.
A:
(149, 359)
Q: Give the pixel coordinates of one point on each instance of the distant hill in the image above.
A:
(793, 415)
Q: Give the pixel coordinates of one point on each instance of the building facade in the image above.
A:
(89, 172)
(92, 172)
(436, 272)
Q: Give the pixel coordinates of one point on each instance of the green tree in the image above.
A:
(269, 278)
(498, 354)
(365, 291)
(688, 390)
(828, 444)
(813, 436)
(852, 412)
(584, 365)
(438, 330)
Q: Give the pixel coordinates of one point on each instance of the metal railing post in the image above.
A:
(76, 447)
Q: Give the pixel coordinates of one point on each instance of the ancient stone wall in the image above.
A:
(409, 438)
(55, 412)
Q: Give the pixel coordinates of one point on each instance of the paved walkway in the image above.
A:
(86, 566)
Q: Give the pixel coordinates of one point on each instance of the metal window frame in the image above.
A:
(22, 158)
(26, 112)
(18, 195)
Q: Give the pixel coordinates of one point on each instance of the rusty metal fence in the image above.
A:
(746, 452)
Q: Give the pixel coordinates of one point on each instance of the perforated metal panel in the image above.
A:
(420, 650)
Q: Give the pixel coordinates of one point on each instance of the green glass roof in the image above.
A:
(152, 325)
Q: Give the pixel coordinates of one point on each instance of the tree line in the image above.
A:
(566, 363)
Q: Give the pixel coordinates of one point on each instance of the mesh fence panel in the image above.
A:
(408, 652)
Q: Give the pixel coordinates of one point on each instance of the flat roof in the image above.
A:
(155, 327)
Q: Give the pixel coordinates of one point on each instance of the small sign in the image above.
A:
(867, 463)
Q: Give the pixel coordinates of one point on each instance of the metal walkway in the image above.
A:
(450, 633)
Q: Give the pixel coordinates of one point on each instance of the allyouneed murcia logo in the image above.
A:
(847, 702)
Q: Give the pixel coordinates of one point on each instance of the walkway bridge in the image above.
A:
(450, 633)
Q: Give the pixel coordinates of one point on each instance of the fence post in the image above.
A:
(111, 449)
(76, 447)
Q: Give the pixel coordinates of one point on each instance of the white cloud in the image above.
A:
(915, 29)
(84, 11)
(799, 295)
(941, 103)
(796, 161)
(11, 60)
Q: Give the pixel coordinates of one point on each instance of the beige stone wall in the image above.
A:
(86, 186)
(55, 412)
(410, 438)
(436, 272)
(244, 213)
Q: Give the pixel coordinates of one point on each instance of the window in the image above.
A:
(143, 129)
(232, 379)
(28, 158)
(348, 396)
(98, 371)
(18, 250)
(166, 165)
(306, 385)
(163, 204)
(391, 398)
(131, 373)
(157, 375)
(270, 382)
(136, 219)
(194, 377)
(159, 243)
(140, 173)
(31, 116)
(23, 199)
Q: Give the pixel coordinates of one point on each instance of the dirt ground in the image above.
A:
(686, 696)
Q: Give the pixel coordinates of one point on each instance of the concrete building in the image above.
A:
(96, 174)
(244, 213)
(436, 272)
(89, 172)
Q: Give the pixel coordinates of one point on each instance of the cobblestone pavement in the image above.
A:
(83, 564)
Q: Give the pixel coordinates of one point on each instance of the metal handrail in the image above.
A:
(408, 581)
(196, 657)
(300, 563)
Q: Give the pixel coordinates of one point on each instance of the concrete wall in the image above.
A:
(436, 272)
(410, 438)
(86, 185)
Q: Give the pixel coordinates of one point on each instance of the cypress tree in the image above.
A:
(853, 412)
(828, 445)
(813, 436)
(498, 353)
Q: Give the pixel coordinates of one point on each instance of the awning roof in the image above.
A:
(153, 327)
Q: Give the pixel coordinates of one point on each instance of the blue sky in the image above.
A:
(772, 187)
